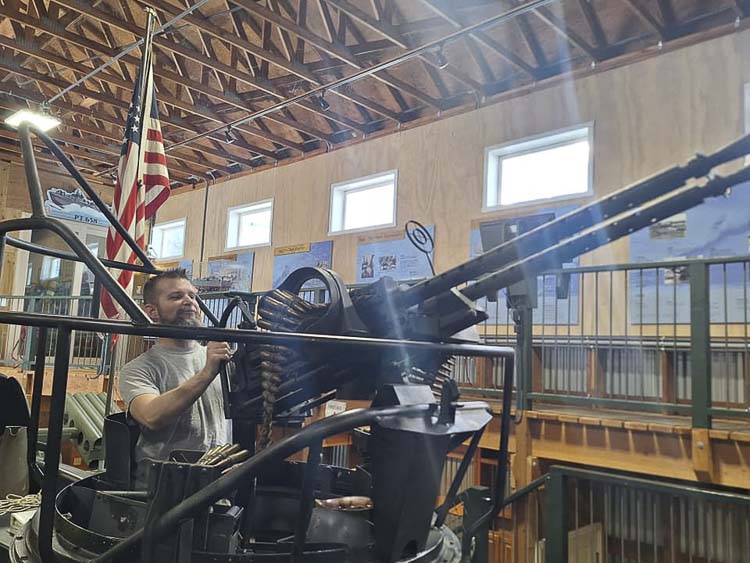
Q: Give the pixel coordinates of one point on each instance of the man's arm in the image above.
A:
(156, 411)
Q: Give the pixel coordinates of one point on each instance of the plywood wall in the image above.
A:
(647, 116)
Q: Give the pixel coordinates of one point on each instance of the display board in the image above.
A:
(74, 206)
(234, 273)
(286, 259)
(391, 253)
(718, 228)
(550, 310)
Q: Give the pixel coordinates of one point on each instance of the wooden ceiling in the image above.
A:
(232, 58)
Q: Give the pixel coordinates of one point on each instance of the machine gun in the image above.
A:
(279, 383)
(293, 355)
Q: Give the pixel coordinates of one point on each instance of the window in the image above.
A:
(552, 167)
(364, 203)
(250, 225)
(168, 239)
(50, 268)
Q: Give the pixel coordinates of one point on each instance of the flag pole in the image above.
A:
(142, 82)
(146, 59)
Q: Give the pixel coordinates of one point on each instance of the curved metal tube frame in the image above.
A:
(313, 434)
(38, 212)
(323, 428)
(142, 325)
(87, 257)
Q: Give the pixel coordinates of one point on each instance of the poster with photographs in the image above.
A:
(718, 228)
(390, 253)
(554, 306)
(286, 259)
(227, 274)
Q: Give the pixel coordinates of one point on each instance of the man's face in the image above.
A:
(175, 304)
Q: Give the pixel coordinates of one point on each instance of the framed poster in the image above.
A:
(286, 259)
(392, 254)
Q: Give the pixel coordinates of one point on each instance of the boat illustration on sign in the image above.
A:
(74, 206)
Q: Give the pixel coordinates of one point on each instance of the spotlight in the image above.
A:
(229, 136)
(441, 59)
(322, 104)
(41, 120)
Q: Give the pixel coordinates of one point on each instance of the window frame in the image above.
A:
(746, 114)
(50, 263)
(350, 186)
(529, 145)
(166, 225)
(259, 206)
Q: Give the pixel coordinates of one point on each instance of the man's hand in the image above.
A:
(156, 411)
(216, 352)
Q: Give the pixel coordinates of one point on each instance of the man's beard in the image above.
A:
(182, 319)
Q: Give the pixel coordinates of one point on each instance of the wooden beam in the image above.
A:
(546, 15)
(35, 51)
(391, 33)
(594, 23)
(51, 27)
(221, 34)
(449, 13)
(8, 154)
(531, 40)
(111, 20)
(640, 11)
(325, 14)
(119, 124)
(484, 67)
(334, 48)
(667, 12)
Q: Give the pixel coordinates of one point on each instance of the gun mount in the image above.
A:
(385, 340)
(278, 384)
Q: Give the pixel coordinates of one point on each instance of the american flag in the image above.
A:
(142, 181)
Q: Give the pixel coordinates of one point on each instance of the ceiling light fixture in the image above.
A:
(322, 103)
(441, 59)
(41, 120)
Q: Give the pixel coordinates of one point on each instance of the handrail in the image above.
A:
(647, 265)
(660, 485)
(354, 343)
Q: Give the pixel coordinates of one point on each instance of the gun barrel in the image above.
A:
(602, 234)
(536, 240)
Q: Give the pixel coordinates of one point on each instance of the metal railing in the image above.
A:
(667, 337)
(18, 345)
(581, 516)
(631, 336)
(90, 351)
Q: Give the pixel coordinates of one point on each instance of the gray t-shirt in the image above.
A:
(160, 369)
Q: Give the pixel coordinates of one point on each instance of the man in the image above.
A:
(171, 390)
